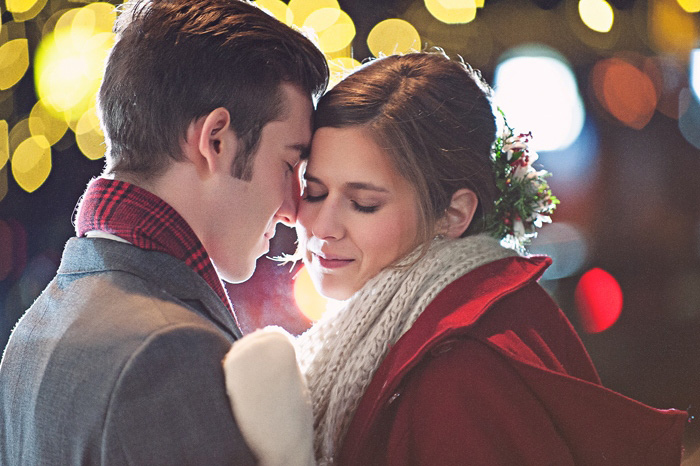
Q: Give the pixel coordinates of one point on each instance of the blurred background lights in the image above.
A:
(393, 36)
(301, 9)
(671, 30)
(4, 144)
(14, 61)
(278, 9)
(565, 244)
(625, 91)
(539, 93)
(309, 302)
(43, 122)
(695, 72)
(596, 14)
(20, 6)
(599, 300)
(690, 6)
(334, 28)
(89, 136)
(31, 163)
(69, 61)
(341, 67)
(452, 11)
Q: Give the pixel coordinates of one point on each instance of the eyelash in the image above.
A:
(358, 207)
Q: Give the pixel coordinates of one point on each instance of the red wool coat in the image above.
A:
(492, 373)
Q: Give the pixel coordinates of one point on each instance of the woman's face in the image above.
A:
(357, 215)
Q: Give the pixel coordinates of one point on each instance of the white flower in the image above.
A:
(518, 228)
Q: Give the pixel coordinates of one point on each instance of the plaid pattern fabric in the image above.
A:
(147, 222)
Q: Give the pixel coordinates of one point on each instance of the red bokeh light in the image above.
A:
(599, 300)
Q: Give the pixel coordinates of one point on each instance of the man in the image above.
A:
(206, 107)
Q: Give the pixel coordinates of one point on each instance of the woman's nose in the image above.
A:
(327, 223)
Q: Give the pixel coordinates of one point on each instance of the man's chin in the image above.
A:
(235, 275)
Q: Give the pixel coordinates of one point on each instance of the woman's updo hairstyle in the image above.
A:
(434, 118)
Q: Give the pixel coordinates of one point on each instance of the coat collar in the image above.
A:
(91, 255)
(458, 307)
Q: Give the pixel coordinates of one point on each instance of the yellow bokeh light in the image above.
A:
(43, 122)
(20, 6)
(301, 9)
(309, 302)
(690, 6)
(452, 11)
(339, 68)
(393, 36)
(19, 132)
(671, 30)
(31, 163)
(4, 143)
(89, 136)
(25, 10)
(278, 9)
(598, 15)
(3, 183)
(14, 62)
(69, 62)
(334, 28)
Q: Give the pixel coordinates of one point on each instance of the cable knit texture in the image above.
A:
(341, 352)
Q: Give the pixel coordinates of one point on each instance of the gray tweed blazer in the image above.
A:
(118, 362)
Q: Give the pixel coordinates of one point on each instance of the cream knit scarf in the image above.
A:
(340, 353)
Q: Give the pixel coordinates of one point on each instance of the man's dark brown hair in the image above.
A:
(177, 60)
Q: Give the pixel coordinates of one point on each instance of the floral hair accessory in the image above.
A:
(525, 200)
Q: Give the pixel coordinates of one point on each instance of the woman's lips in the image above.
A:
(333, 262)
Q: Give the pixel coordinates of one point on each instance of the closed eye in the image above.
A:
(365, 209)
(310, 198)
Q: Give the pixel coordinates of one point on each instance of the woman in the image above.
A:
(446, 351)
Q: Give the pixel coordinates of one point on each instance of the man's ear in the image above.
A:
(459, 214)
(212, 142)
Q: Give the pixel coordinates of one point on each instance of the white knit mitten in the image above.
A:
(269, 398)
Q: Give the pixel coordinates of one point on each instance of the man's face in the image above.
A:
(248, 211)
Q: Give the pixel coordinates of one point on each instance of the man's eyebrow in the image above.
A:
(353, 185)
(303, 149)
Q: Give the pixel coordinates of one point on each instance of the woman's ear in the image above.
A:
(459, 214)
(211, 144)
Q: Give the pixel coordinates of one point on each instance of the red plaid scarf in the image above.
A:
(147, 222)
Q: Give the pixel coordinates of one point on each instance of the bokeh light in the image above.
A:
(20, 6)
(689, 119)
(69, 61)
(538, 92)
(625, 91)
(334, 28)
(598, 15)
(301, 9)
(14, 62)
(695, 72)
(309, 302)
(567, 247)
(393, 36)
(44, 123)
(4, 143)
(671, 30)
(3, 183)
(31, 163)
(341, 67)
(690, 6)
(452, 11)
(599, 300)
(89, 135)
(278, 9)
